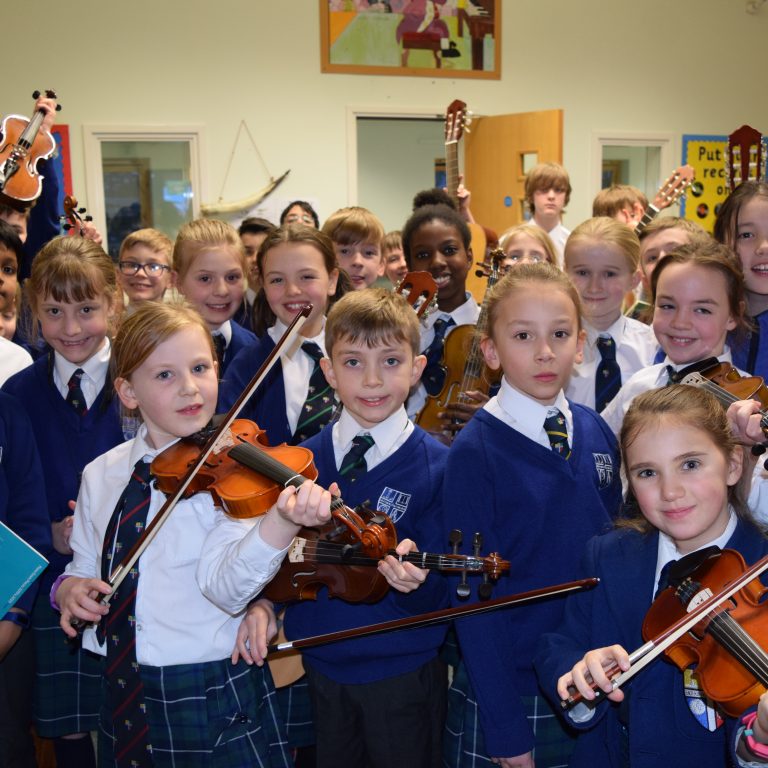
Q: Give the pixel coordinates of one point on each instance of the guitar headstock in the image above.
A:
(420, 290)
(746, 157)
(457, 120)
(490, 268)
(74, 215)
(674, 187)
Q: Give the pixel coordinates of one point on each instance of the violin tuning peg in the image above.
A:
(454, 539)
(89, 218)
(81, 210)
(484, 590)
(35, 94)
(477, 544)
(58, 107)
(462, 590)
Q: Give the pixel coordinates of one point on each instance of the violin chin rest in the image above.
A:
(680, 570)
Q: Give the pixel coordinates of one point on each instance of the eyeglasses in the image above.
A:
(153, 269)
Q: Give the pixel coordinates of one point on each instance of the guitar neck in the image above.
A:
(651, 212)
(452, 168)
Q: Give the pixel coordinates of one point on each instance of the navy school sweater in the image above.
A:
(66, 441)
(537, 510)
(407, 486)
(750, 351)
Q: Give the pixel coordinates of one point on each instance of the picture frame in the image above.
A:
(421, 38)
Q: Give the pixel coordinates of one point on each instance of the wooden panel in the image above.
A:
(493, 161)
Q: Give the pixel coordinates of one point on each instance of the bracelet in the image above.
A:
(54, 588)
(20, 619)
(755, 747)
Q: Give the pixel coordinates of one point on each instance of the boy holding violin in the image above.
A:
(378, 700)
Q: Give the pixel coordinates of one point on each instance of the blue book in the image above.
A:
(21, 565)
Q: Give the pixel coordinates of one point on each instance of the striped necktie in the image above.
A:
(118, 627)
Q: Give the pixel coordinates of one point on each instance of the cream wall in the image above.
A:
(678, 66)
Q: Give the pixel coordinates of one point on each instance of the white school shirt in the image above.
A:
(13, 359)
(636, 347)
(527, 415)
(465, 314)
(225, 330)
(558, 235)
(94, 369)
(652, 377)
(198, 573)
(297, 368)
(387, 435)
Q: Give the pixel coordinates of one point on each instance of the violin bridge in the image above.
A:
(224, 442)
(296, 552)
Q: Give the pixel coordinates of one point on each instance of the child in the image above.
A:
(300, 212)
(357, 234)
(601, 257)
(297, 266)
(622, 202)
(525, 244)
(13, 358)
(21, 478)
(659, 238)
(378, 701)
(683, 466)
(9, 317)
(547, 192)
(437, 240)
(698, 294)
(742, 224)
(209, 265)
(545, 478)
(253, 231)
(67, 393)
(144, 266)
(395, 267)
(174, 676)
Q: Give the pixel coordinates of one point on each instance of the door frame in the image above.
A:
(355, 111)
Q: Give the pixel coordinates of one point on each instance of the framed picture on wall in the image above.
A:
(427, 38)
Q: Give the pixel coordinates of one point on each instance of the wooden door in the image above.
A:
(497, 152)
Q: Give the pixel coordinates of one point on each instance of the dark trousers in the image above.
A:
(393, 722)
(17, 674)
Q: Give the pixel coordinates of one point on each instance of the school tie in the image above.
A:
(220, 345)
(75, 396)
(318, 407)
(118, 627)
(433, 376)
(557, 432)
(675, 377)
(608, 379)
(354, 464)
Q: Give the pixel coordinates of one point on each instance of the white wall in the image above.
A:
(683, 66)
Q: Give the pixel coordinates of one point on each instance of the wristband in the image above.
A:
(54, 589)
(755, 747)
(20, 619)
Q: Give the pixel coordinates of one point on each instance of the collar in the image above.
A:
(668, 551)
(277, 330)
(141, 449)
(95, 367)
(663, 376)
(384, 434)
(225, 330)
(529, 414)
(464, 314)
(615, 331)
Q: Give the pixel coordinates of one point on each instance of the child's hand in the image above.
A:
(49, 107)
(592, 667)
(760, 725)
(309, 505)
(76, 598)
(258, 627)
(521, 761)
(89, 232)
(402, 576)
(457, 414)
(61, 532)
(744, 418)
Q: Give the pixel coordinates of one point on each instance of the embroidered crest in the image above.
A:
(604, 467)
(702, 707)
(393, 503)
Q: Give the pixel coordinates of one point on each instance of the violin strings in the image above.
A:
(732, 636)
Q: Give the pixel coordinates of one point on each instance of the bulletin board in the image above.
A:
(708, 156)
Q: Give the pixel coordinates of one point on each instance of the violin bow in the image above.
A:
(435, 617)
(646, 653)
(134, 553)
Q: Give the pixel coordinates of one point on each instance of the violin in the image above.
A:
(24, 145)
(245, 476)
(464, 364)
(710, 615)
(75, 216)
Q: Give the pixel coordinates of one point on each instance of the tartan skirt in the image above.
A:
(67, 695)
(464, 745)
(296, 709)
(210, 715)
